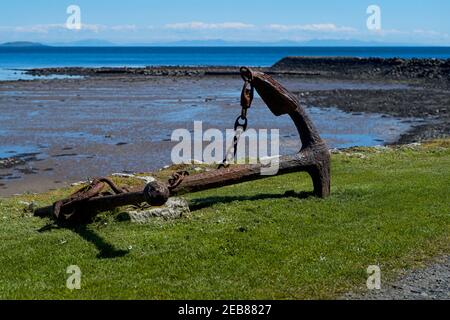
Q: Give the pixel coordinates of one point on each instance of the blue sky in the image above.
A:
(140, 21)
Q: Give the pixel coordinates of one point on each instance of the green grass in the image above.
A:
(388, 207)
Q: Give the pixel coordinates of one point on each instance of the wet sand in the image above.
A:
(56, 132)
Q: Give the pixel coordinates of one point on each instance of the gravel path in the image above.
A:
(430, 283)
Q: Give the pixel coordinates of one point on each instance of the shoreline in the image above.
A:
(424, 70)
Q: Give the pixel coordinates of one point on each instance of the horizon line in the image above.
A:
(224, 43)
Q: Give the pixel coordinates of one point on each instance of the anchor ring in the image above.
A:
(246, 74)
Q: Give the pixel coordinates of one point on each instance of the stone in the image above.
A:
(147, 179)
(173, 209)
(28, 206)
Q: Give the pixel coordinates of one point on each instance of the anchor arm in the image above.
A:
(280, 101)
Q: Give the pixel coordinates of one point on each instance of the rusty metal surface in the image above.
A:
(313, 158)
(85, 207)
(66, 209)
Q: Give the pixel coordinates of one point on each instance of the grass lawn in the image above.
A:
(389, 207)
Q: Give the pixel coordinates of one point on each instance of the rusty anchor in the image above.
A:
(313, 158)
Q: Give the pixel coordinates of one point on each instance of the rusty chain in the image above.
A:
(241, 123)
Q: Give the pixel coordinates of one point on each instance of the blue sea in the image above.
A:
(41, 57)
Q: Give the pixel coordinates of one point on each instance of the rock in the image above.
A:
(29, 207)
(147, 179)
(10, 162)
(79, 183)
(123, 175)
(173, 209)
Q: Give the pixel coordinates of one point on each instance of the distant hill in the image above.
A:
(348, 43)
(22, 44)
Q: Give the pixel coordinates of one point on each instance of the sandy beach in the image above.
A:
(57, 132)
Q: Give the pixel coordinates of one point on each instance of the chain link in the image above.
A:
(176, 179)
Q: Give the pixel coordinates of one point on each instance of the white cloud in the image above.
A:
(46, 28)
(320, 27)
(92, 27)
(231, 31)
(208, 26)
(125, 27)
(431, 33)
(428, 34)
(39, 28)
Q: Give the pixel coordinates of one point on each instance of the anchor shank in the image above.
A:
(312, 160)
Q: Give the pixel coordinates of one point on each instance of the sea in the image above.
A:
(15, 59)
